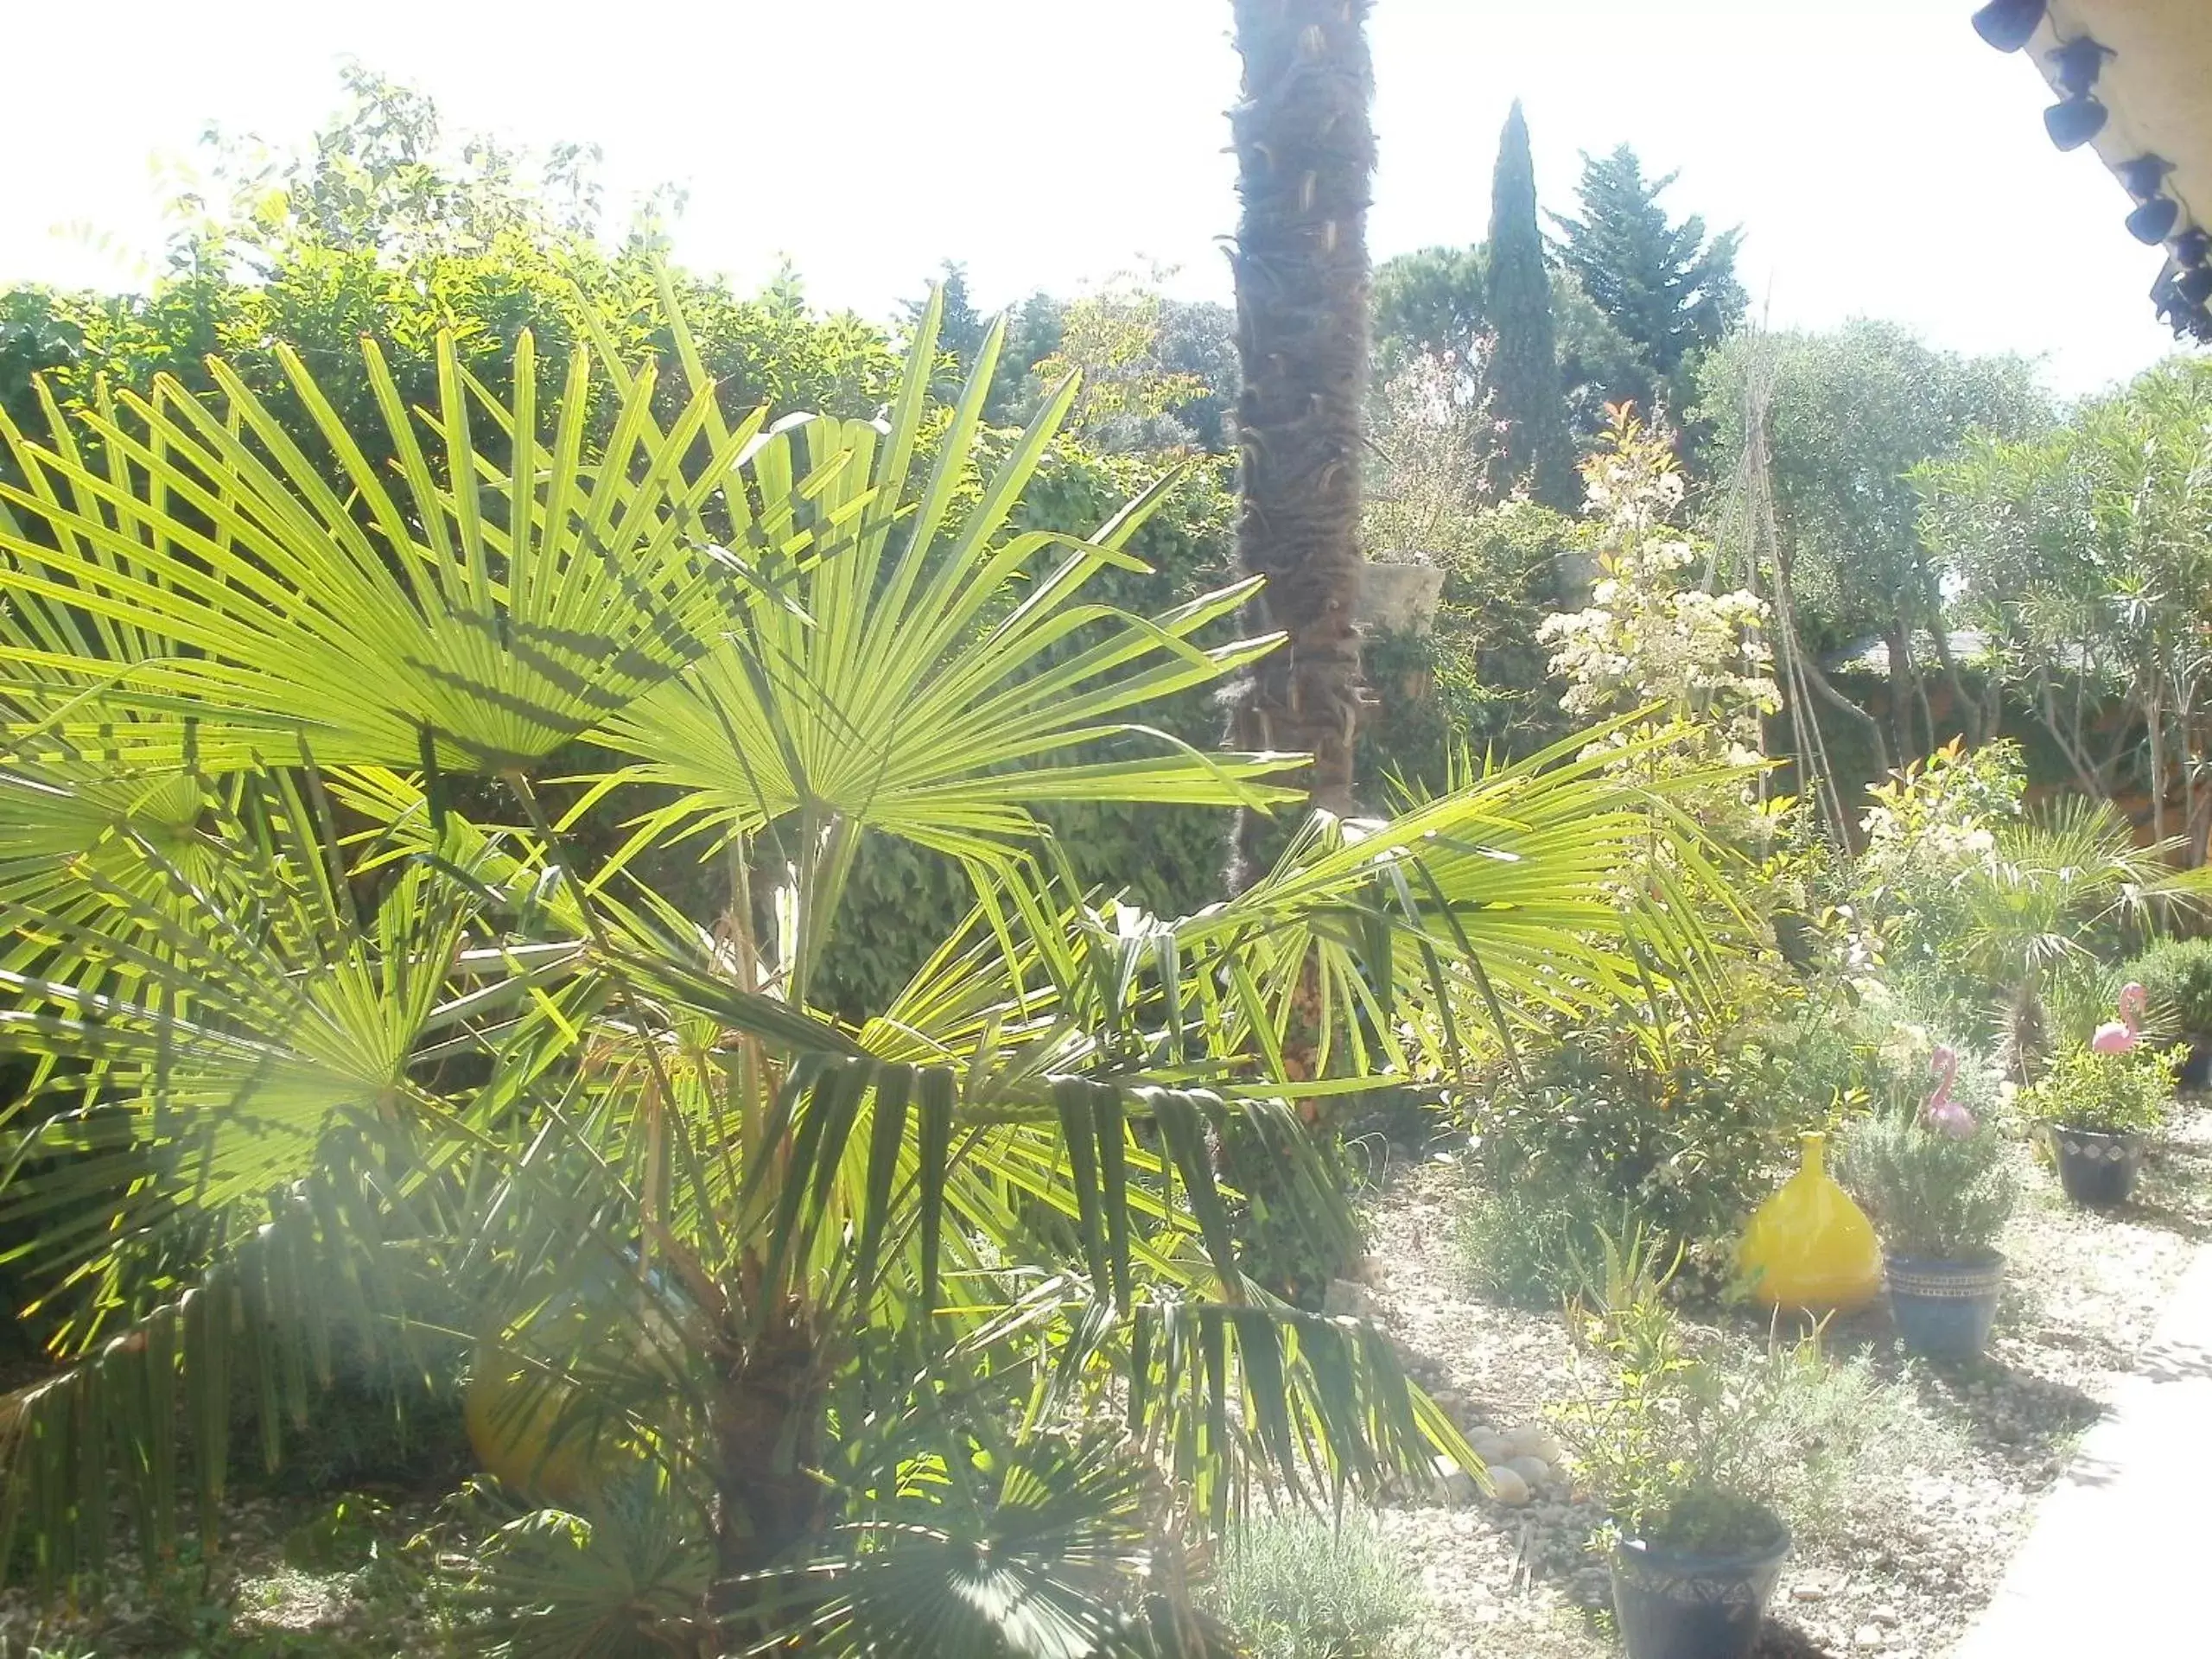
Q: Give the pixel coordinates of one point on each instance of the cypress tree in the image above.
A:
(1523, 371)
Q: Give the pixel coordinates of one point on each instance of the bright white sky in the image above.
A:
(1884, 162)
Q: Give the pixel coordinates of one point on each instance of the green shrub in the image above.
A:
(1670, 1439)
(2107, 1094)
(1929, 1194)
(2177, 973)
(1683, 1123)
(1688, 1438)
(1479, 676)
(1298, 1587)
(1535, 1242)
(1848, 1444)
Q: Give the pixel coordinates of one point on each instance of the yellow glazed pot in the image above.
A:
(529, 1420)
(1809, 1246)
(516, 1427)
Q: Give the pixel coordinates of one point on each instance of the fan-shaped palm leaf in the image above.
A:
(207, 578)
(939, 679)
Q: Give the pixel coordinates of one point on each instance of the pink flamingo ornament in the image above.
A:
(2119, 1036)
(1943, 1114)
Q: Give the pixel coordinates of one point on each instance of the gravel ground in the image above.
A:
(1934, 1516)
(1938, 1513)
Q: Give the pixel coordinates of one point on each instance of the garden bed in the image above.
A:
(252, 1604)
(1898, 1565)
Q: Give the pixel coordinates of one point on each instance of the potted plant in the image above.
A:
(2096, 1107)
(1939, 1189)
(1672, 1442)
(2178, 974)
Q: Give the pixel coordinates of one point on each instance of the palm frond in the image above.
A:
(937, 680)
(202, 591)
(1046, 1554)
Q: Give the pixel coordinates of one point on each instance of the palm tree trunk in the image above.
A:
(767, 1424)
(1305, 153)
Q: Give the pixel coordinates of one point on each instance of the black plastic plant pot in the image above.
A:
(1690, 1605)
(2096, 1168)
(2196, 1074)
(1943, 1309)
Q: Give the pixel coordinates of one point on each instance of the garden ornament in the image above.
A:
(1809, 1246)
(2119, 1036)
(1943, 1114)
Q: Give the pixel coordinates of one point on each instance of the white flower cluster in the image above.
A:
(1938, 816)
(1648, 636)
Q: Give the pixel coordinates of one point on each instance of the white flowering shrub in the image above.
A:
(1651, 637)
(1434, 440)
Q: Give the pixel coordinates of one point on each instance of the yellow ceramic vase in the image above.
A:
(514, 1418)
(1809, 1246)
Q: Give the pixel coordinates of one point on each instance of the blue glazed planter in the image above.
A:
(1944, 1309)
(1677, 1604)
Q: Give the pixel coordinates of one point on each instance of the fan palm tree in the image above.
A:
(2056, 884)
(919, 1334)
(1305, 153)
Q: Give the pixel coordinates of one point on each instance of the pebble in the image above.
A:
(1491, 1447)
(1534, 1470)
(1533, 1440)
(1508, 1486)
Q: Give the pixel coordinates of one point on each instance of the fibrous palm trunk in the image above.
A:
(1305, 155)
(767, 1423)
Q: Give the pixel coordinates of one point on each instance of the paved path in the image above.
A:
(2116, 1563)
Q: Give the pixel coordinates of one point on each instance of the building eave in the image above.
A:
(2147, 65)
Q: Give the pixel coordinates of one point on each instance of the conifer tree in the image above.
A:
(1523, 371)
(1667, 287)
(960, 329)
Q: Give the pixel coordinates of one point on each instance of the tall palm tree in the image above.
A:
(922, 1334)
(1305, 154)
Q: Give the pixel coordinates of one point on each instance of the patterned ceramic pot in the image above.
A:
(1944, 1309)
(2096, 1168)
(1684, 1604)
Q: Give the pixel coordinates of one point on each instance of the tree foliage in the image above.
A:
(388, 229)
(2084, 551)
(1668, 290)
(1113, 338)
(1850, 414)
(1430, 303)
(1434, 302)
